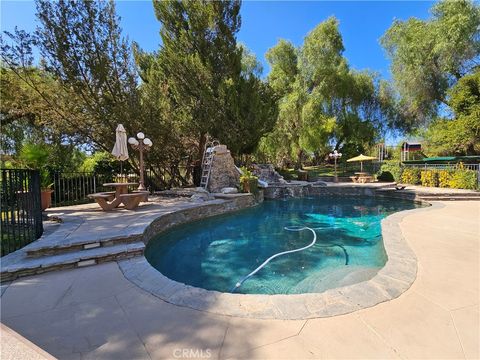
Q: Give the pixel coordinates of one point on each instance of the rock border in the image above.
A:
(396, 277)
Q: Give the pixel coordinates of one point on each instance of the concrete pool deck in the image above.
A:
(95, 313)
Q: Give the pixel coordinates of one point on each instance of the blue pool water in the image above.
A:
(216, 253)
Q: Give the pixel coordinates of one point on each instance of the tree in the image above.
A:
(429, 57)
(200, 59)
(323, 103)
(88, 62)
(28, 120)
(255, 110)
(461, 135)
(87, 82)
(211, 82)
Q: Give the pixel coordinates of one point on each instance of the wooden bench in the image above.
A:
(354, 178)
(107, 201)
(132, 200)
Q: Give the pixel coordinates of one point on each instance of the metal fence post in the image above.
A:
(478, 175)
(37, 203)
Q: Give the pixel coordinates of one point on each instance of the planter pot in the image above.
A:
(46, 196)
(250, 186)
(302, 175)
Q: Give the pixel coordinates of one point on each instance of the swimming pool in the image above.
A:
(216, 253)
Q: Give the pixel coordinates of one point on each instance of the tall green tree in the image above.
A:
(87, 59)
(323, 103)
(212, 83)
(461, 135)
(87, 81)
(200, 59)
(428, 57)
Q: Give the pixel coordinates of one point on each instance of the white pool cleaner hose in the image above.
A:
(288, 228)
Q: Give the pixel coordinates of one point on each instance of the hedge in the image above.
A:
(464, 179)
(459, 178)
(429, 178)
(411, 175)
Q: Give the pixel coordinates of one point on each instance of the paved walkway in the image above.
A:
(95, 313)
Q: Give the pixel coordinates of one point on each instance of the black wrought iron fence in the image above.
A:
(21, 212)
(73, 188)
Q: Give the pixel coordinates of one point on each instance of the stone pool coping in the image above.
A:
(390, 282)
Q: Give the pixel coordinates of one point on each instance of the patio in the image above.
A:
(96, 313)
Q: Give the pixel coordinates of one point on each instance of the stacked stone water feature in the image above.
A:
(223, 174)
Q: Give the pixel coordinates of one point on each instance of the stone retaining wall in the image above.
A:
(168, 221)
(299, 190)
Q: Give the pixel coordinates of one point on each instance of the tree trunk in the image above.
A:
(299, 163)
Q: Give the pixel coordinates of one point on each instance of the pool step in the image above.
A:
(23, 265)
(418, 194)
(450, 197)
(39, 249)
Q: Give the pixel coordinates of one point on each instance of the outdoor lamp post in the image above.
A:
(142, 144)
(335, 155)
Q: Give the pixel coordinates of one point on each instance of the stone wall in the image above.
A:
(301, 190)
(167, 221)
(223, 173)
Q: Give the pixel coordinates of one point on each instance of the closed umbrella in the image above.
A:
(361, 158)
(120, 150)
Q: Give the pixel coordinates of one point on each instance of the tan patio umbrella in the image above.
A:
(120, 150)
(361, 158)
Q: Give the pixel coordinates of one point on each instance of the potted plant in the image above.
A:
(248, 181)
(36, 156)
(45, 189)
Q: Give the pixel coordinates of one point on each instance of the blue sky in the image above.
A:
(362, 23)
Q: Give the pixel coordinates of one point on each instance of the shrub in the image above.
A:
(248, 181)
(444, 178)
(390, 171)
(385, 176)
(247, 175)
(429, 178)
(410, 175)
(463, 179)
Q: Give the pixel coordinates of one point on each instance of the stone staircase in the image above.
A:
(42, 258)
(450, 197)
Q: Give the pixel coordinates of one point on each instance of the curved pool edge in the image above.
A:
(390, 282)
